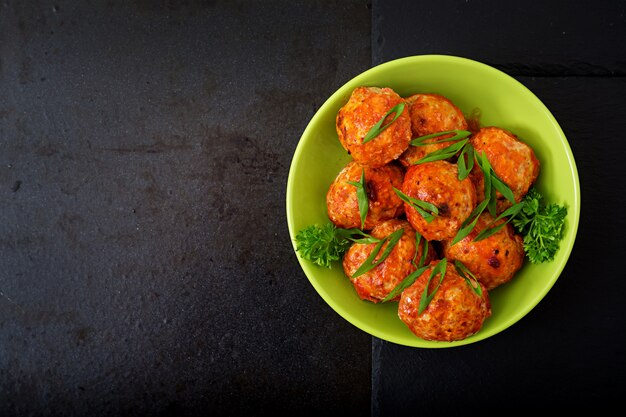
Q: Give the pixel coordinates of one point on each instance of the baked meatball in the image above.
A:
(384, 204)
(377, 283)
(431, 113)
(366, 106)
(455, 312)
(513, 161)
(493, 260)
(438, 183)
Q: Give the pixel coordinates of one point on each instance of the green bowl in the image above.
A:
(471, 85)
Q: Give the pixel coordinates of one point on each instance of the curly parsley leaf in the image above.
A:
(542, 227)
(327, 243)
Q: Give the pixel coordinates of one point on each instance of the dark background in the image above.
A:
(145, 262)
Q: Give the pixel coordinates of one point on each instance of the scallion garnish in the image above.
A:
(491, 184)
(350, 233)
(378, 128)
(458, 134)
(371, 262)
(427, 210)
(418, 239)
(463, 272)
(444, 153)
(410, 279)
(361, 195)
(511, 212)
(426, 298)
(405, 283)
(468, 225)
(424, 252)
(502, 187)
(465, 166)
(490, 195)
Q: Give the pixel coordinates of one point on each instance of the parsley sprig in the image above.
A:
(542, 226)
(327, 243)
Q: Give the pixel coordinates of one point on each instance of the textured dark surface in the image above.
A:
(145, 262)
(145, 266)
(555, 37)
(569, 353)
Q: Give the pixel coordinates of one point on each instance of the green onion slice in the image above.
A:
(351, 233)
(426, 298)
(464, 272)
(511, 212)
(378, 128)
(427, 210)
(458, 134)
(424, 253)
(418, 239)
(470, 222)
(444, 153)
(371, 262)
(405, 283)
(502, 187)
(465, 165)
(361, 195)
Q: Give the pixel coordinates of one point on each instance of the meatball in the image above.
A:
(438, 183)
(513, 161)
(455, 312)
(384, 204)
(431, 113)
(493, 260)
(377, 283)
(366, 106)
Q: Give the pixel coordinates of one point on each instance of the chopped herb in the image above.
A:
(404, 284)
(465, 166)
(361, 195)
(427, 210)
(444, 153)
(324, 244)
(458, 134)
(378, 128)
(410, 279)
(371, 262)
(464, 272)
(509, 213)
(426, 298)
(542, 227)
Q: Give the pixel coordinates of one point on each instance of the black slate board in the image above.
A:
(569, 353)
(145, 263)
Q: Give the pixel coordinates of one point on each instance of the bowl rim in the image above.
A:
(566, 245)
